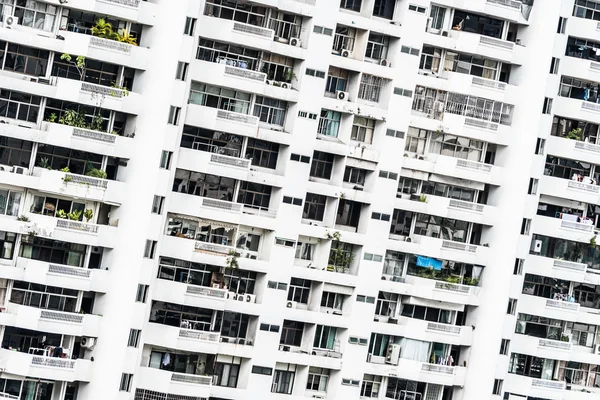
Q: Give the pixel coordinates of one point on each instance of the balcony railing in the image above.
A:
(221, 204)
(562, 305)
(488, 83)
(86, 180)
(102, 90)
(52, 362)
(70, 271)
(94, 135)
(466, 206)
(212, 247)
(206, 292)
(245, 73)
(199, 335)
(453, 287)
(440, 369)
(573, 266)
(586, 187)
(112, 45)
(493, 42)
(60, 316)
(476, 123)
(230, 161)
(577, 226)
(193, 379)
(128, 3)
(474, 165)
(594, 148)
(450, 245)
(554, 344)
(508, 3)
(76, 226)
(444, 328)
(253, 30)
(237, 117)
(546, 384)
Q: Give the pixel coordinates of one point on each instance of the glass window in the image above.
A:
(317, 379)
(262, 153)
(322, 165)
(35, 14)
(219, 97)
(314, 206)
(329, 123)
(270, 111)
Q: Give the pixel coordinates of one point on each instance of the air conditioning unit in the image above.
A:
(337, 312)
(19, 170)
(291, 304)
(6, 168)
(10, 21)
(384, 63)
(250, 298)
(231, 296)
(45, 81)
(537, 246)
(241, 297)
(318, 396)
(87, 342)
(216, 286)
(597, 349)
(268, 82)
(445, 33)
(286, 85)
(346, 53)
(295, 42)
(341, 95)
(408, 240)
(392, 355)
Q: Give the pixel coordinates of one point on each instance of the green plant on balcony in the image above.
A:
(564, 338)
(61, 214)
(52, 117)
(79, 63)
(74, 215)
(73, 118)
(231, 262)
(103, 29)
(340, 259)
(593, 241)
(125, 37)
(23, 218)
(88, 214)
(44, 163)
(423, 198)
(289, 75)
(97, 122)
(96, 173)
(575, 134)
(65, 170)
(119, 87)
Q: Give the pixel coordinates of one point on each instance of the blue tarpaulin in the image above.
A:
(428, 262)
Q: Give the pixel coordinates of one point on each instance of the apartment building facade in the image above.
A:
(289, 199)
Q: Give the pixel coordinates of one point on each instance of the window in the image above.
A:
(54, 207)
(352, 5)
(190, 26)
(377, 46)
(380, 216)
(254, 195)
(497, 387)
(305, 251)
(337, 80)
(472, 65)
(554, 65)
(518, 270)
(370, 87)
(343, 40)
(262, 370)
(10, 201)
(20, 106)
(388, 175)
(355, 175)
(284, 242)
(270, 111)
(157, 204)
(512, 306)
(142, 293)
(332, 300)
(410, 50)
(236, 11)
(314, 206)
(453, 192)
(587, 9)
(322, 30)
(504, 346)
(456, 146)
(403, 92)
(393, 133)
(373, 257)
(418, 9)
(292, 200)
(444, 228)
(582, 334)
(401, 222)
(7, 245)
(35, 14)
(262, 153)
(539, 146)
(362, 129)
(329, 123)
(134, 338)
(231, 54)
(525, 226)
(322, 165)
(226, 374)
(212, 186)
(431, 58)
(532, 189)
(384, 8)
(387, 304)
(182, 70)
(53, 251)
(283, 382)
(277, 285)
(416, 140)
(315, 73)
(174, 113)
(306, 114)
(23, 59)
(44, 297)
(219, 97)
(547, 108)
(562, 25)
(150, 248)
(370, 386)
(126, 380)
(299, 290)
(269, 328)
(165, 159)
(317, 379)
(291, 333)
(365, 299)
(408, 186)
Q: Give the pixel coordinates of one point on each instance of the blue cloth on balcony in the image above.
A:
(428, 262)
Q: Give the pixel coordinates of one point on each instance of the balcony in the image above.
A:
(546, 348)
(450, 208)
(424, 330)
(442, 291)
(554, 268)
(534, 387)
(79, 186)
(566, 188)
(40, 367)
(189, 295)
(572, 149)
(183, 339)
(174, 383)
(556, 309)
(472, 43)
(456, 167)
(58, 275)
(560, 228)
(576, 109)
(418, 371)
(130, 10)
(221, 120)
(65, 323)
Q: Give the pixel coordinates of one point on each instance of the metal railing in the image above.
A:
(586, 187)
(67, 270)
(199, 335)
(576, 226)
(488, 83)
(554, 344)
(573, 266)
(253, 30)
(508, 3)
(474, 165)
(86, 180)
(76, 226)
(342, 42)
(52, 362)
(212, 247)
(453, 287)
(194, 379)
(440, 369)
(445, 328)
(61, 316)
(94, 135)
(206, 292)
(237, 117)
(128, 3)
(563, 305)
(493, 42)
(112, 45)
(476, 123)
(245, 73)
(221, 204)
(546, 384)
(465, 205)
(229, 161)
(594, 148)
(102, 90)
(450, 245)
